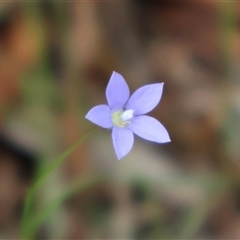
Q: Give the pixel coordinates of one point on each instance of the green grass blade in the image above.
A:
(38, 219)
(43, 175)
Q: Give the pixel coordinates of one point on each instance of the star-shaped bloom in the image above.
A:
(126, 116)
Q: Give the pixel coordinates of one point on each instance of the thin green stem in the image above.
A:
(38, 219)
(43, 175)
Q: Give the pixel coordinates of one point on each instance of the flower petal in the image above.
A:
(100, 115)
(117, 91)
(122, 141)
(145, 98)
(149, 128)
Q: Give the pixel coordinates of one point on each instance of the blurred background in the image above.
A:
(56, 59)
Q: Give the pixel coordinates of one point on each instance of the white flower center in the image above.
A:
(120, 118)
(127, 115)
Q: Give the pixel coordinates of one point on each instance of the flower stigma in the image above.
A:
(121, 118)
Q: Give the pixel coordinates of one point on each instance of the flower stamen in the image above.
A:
(121, 118)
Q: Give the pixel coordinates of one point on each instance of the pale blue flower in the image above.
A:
(126, 116)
